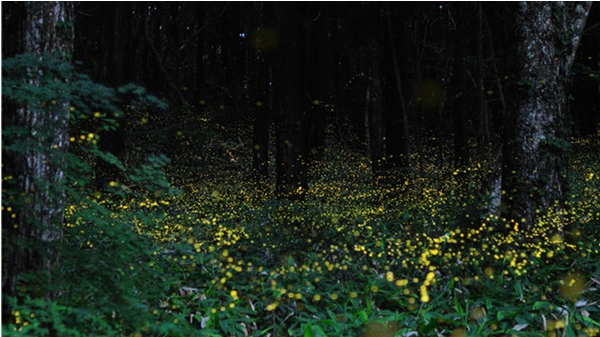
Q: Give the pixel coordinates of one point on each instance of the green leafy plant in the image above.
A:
(110, 280)
(202, 250)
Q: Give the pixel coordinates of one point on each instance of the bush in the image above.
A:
(112, 278)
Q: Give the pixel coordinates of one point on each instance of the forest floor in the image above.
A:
(213, 253)
(416, 257)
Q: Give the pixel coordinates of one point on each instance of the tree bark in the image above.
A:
(536, 151)
(374, 112)
(317, 53)
(36, 228)
(484, 127)
(259, 78)
(291, 180)
(397, 121)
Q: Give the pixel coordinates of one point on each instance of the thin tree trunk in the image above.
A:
(317, 63)
(374, 109)
(484, 128)
(402, 141)
(260, 92)
(262, 121)
(461, 149)
(291, 180)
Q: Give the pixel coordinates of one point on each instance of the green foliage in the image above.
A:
(107, 283)
(356, 259)
(38, 82)
(218, 256)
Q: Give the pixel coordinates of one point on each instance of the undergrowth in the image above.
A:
(217, 255)
(353, 259)
(362, 259)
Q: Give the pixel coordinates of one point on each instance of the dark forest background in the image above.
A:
(300, 168)
(387, 79)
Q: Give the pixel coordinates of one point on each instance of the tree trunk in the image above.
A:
(535, 157)
(397, 136)
(291, 180)
(317, 51)
(374, 112)
(484, 127)
(36, 225)
(259, 77)
(461, 84)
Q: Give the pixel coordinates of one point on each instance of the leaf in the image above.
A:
(407, 333)
(204, 322)
(361, 317)
(313, 331)
(520, 327)
(308, 331)
(540, 305)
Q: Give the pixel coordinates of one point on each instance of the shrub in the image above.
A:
(111, 279)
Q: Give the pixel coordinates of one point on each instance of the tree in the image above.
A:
(289, 84)
(397, 135)
(374, 110)
(535, 148)
(262, 45)
(35, 224)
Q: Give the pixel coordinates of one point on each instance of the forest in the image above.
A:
(305, 169)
